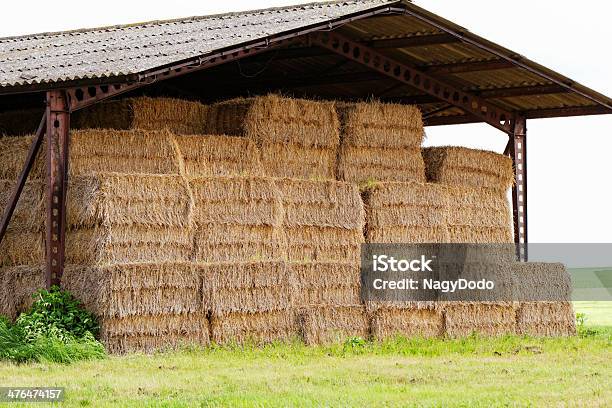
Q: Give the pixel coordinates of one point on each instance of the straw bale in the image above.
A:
(148, 343)
(376, 124)
(323, 244)
(205, 155)
(329, 324)
(407, 234)
(129, 199)
(297, 161)
(246, 287)
(461, 166)
(128, 244)
(28, 215)
(461, 319)
(236, 200)
(276, 119)
(155, 325)
(501, 273)
(321, 203)
(22, 248)
(326, 283)
(362, 164)
(136, 289)
(127, 151)
(20, 122)
(235, 242)
(546, 319)
(13, 153)
(259, 327)
(539, 281)
(408, 322)
(17, 285)
(179, 116)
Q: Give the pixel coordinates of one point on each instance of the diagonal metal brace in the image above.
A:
(480, 108)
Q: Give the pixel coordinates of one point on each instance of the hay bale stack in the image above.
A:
(323, 324)
(28, 215)
(460, 166)
(388, 322)
(461, 319)
(546, 319)
(22, 248)
(258, 327)
(13, 153)
(326, 283)
(410, 212)
(20, 122)
(237, 219)
(297, 138)
(177, 115)
(478, 216)
(205, 155)
(323, 220)
(380, 142)
(17, 285)
(123, 151)
(540, 281)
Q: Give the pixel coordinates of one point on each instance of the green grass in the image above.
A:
(510, 371)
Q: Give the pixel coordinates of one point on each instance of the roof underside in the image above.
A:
(400, 30)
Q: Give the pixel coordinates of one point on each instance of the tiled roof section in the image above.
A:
(132, 49)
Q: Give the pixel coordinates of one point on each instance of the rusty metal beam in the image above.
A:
(521, 91)
(518, 153)
(563, 112)
(485, 111)
(23, 176)
(451, 120)
(470, 66)
(58, 128)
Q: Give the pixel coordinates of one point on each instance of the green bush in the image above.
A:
(56, 328)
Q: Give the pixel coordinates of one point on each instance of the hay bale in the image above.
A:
(478, 216)
(296, 161)
(546, 319)
(461, 267)
(259, 327)
(120, 244)
(388, 322)
(380, 142)
(136, 289)
(20, 122)
(219, 155)
(461, 319)
(460, 166)
(326, 283)
(323, 244)
(149, 343)
(330, 324)
(238, 200)
(28, 215)
(177, 115)
(17, 285)
(276, 119)
(246, 287)
(129, 199)
(236, 242)
(127, 151)
(406, 213)
(22, 248)
(539, 281)
(13, 153)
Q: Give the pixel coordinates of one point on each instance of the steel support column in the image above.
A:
(517, 147)
(58, 128)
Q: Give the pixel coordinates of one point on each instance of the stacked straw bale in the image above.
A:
(322, 324)
(461, 319)
(297, 138)
(119, 218)
(237, 218)
(410, 212)
(460, 166)
(13, 153)
(177, 115)
(17, 285)
(327, 283)
(142, 306)
(249, 301)
(205, 155)
(546, 319)
(20, 122)
(380, 142)
(323, 220)
(388, 322)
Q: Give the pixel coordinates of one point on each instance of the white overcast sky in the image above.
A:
(569, 159)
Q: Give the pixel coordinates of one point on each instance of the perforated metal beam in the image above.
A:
(517, 147)
(472, 104)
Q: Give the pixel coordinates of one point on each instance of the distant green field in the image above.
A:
(597, 313)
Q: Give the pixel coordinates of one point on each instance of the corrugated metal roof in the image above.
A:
(132, 49)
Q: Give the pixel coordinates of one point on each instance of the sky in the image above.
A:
(569, 159)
